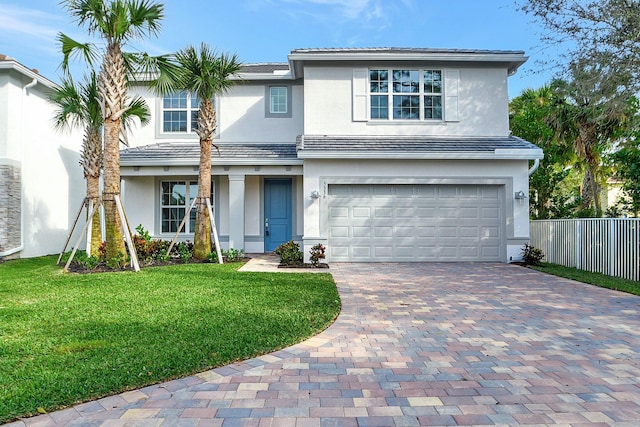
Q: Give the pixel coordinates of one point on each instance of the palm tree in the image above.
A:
(78, 106)
(205, 74)
(529, 119)
(590, 112)
(116, 22)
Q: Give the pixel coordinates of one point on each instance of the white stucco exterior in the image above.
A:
(51, 185)
(483, 105)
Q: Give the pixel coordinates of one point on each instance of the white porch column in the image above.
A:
(236, 211)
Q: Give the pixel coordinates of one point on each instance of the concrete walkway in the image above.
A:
(420, 344)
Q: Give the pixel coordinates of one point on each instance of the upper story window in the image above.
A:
(397, 94)
(278, 101)
(180, 112)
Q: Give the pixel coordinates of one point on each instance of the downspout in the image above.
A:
(30, 85)
(536, 165)
(25, 91)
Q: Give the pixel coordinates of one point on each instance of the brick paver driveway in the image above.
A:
(422, 344)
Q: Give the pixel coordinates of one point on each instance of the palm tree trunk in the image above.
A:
(113, 90)
(202, 234)
(92, 164)
(93, 193)
(206, 127)
(113, 223)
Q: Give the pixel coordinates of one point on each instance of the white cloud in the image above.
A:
(28, 22)
(347, 10)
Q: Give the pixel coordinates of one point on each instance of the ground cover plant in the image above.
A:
(68, 337)
(598, 279)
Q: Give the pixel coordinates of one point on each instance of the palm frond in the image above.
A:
(72, 49)
(137, 108)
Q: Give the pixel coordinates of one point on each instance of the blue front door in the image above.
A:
(277, 213)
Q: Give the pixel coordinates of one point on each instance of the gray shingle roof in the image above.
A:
(188, 153)
(319, 146)
(410, 143)
(404, 50)
(266, 67)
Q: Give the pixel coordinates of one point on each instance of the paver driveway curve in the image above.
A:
(421, 344)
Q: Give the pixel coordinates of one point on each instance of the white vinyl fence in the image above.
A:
(604, 245)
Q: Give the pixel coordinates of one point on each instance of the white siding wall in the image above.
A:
(482, 99)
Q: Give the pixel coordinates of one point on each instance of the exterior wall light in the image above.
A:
(315, 194)
(520, 195)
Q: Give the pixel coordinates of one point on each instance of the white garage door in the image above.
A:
(416, 222)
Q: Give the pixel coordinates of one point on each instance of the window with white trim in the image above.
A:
(278, 100)
(175, 198)
(405, 94)
(180, 112)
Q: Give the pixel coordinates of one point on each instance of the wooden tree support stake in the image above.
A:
(127, 234)
(214, 230)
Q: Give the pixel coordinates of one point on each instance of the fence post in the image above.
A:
(578, 238)
(613, 247)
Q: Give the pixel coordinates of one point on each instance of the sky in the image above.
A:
(267, 30)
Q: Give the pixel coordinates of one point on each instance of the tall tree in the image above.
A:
(626, 162)
(529, 118)
(205, 74)
(78, 106)
(116, 22)
(591, 28)
(591, 112)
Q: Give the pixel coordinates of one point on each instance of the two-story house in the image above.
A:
(382, 154)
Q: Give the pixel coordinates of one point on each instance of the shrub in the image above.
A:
(234, 255)
(531, 255)
(184, 251)
(317, 253)
(290, 253)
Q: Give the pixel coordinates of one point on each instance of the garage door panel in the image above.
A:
(415, 222)
(426, 213)
(469, 213)
(337, 231)
(490, 232)
(490, 193)
(490, 213)
(405, 231)
(472, 232)
(338, 212)
(383, 190)
(405, 213)
(383, 231)
(425, 191)
(361, 252)
(361, 212)
(448, 232)
(469, 252)
(469, 192)
(426, 232)
(337, 251)
(384, 213)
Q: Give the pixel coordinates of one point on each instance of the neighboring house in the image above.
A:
(41, 183)
(383, 154)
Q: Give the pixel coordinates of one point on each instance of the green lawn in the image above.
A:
(597, 279)
(67, 338)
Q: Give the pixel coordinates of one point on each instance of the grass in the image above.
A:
(67, 338)
(597, 279)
